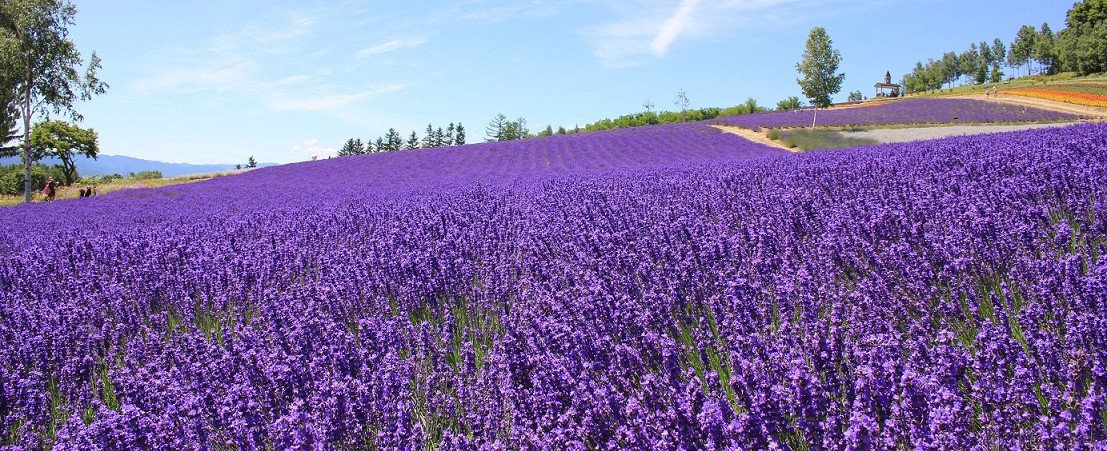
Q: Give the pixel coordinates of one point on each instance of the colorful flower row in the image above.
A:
(1077, 96)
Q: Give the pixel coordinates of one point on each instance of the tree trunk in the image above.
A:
(27, 143)
(69, 167)
(816, 116)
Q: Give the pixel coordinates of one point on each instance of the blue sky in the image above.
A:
(217, 81)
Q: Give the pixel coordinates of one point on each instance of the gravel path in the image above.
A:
(898, 135)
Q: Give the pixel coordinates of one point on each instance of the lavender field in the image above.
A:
(909, 111)
(663, 287)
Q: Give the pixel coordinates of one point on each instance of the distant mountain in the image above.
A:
(116, 164)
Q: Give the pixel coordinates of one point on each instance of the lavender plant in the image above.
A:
(911, 111)
(663, 287)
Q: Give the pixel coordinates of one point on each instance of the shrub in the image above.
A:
(148, 175)
(101, 179)
(11, 178)
(822, 139)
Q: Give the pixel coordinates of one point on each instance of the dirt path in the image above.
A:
(757, 137)
(899, 134)
(1091, 112)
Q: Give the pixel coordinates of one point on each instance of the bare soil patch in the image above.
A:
(1090, 112)
(900, 133)
(757, 137)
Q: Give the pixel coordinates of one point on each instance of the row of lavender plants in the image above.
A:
(911, 111)
(674, 287)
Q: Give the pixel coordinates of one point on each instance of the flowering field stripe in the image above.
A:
(908, 111)
(1078, 94)
(655, 288)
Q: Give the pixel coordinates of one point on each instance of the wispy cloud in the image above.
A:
(646, 29)
(673, 26)
(228, 61)
(389, 46)
(333, 101)
(492, 12)
(279, 67)
(221, 74)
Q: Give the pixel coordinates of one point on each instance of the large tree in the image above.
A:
(496, 128)
(1082, 45)
(353, 146)
(985, 60)
(393, 140)
(1087, 12)
(36, 51)
(9, 102)
(950, 68)
(428, 137)
(790, 103)
(968, 62)
(517, 129)
(65, 142)
(818, 68)
(1045, 49)
(9, 117)
(999, 55)
(1022, 48)
(459, 135)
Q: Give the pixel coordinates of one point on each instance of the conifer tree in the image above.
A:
(393, 140)
(459, 135)
(428, 137)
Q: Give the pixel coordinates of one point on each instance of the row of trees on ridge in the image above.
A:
(1081, 48)
(453, 135)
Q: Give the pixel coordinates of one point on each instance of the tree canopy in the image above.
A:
(1022, 48)
(42, 63)
(63, 141)
(818, 68)
(1086, 13)
(1082, 46)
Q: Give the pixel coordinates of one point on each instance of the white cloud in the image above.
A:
(219, 75)
(275, 66)
(311, 148)
(228, 61)
(645, 29)
(479, 12)
(332, 101)
(389, 46)
(672, 27)
(297, 27)
(290, 80)
(323, 103)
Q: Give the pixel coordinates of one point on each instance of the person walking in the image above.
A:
(51, 189)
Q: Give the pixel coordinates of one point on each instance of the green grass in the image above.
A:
(806, 139)
(1052, 81)
(70, 192)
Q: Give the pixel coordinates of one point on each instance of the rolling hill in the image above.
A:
(118, 164)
